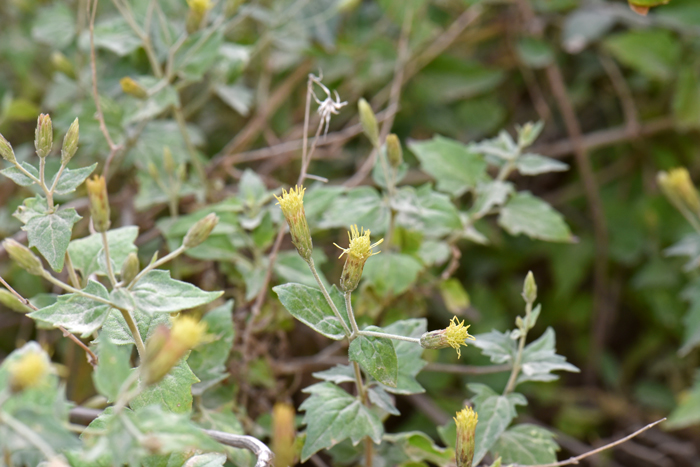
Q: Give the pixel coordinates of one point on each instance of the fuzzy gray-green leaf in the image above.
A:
(376, 355)
(51, 233)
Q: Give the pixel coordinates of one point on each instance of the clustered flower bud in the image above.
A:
(466, 421)
(43, 136)
(530, 288)
(132, 88)
(70, 142)
(130, 268)
(357, 253)
(393, 151)
(455, 336)
(679, 189)
(6, 150)
(28, 370)
(200, 231)
(99, 203)
(292, 205)
(368, 122)
(167, 346)
(198, 10)
(23, 256)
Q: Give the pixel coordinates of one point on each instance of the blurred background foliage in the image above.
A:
(469, 69)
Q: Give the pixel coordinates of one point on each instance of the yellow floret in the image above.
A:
(188, 332)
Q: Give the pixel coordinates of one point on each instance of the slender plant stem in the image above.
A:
(361, 391)
(519, 356)
(369, 451)
(28, 434)
(25, 172)
(351, 313)
(71, 272)
(56, 178)
(389, 336)
(312, 267)
(154, 264)
(46, 275)
(108, 260)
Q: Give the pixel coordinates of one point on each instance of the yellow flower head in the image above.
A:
(466, 419)
(187, 331)
(292, 204)
(28, 371)
(200, 6)
(679, 188)
(456, 334)
(360, 247)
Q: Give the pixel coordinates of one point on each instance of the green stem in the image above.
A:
(82, 293)
(108, 260)
(25, 172)
(361, 392)
(389, 336)
(310, 262)
(134, 332)
(28, 434)
(55, 180)
(154, 264)
(71, 271)
(351, 314)
(519, 356)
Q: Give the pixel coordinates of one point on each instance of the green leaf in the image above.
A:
(118, 331)
(225, 420)
(51, 233)
(534, 53)
(688, 411)
(308, 305)
(290, 267)
(54, 26)
(534, 164)
(526, 444)
(454, 165)
(210, 459)
(419, 447)
(652, 52)
(76, 313)
(362, 206)
(155, 105)
(535, 218)
(174, 432)
(392, 273)
(208, 361)
(237, 96)
(173, 392)
(17, 176)
(157, 292)
(426, 210)
(116, 35)
(408, 355)
(338, 374)
(9, 300)
(498, 346)
(490, 195)
(382, 399)
(686, 100)
(198, 54)
(113, 368)
(454, 296)
(31, 208)
(540, 359)
(71, 179)
(495, 414)
(376, 355)
(87, 254)
(333, 415)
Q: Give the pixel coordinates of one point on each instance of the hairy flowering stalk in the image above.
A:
(359, 250)
(466, 421)
(292, 205)
(455, 335)
(167, 346)
(99, 203)
(28, 371)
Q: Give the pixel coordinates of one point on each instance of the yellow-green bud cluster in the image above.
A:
(368, 122)
(43, 135)
(292, 205)
(70, 142)
(167, 346)
(28, 370)
(530, 288)
(200, 231)
(359, 250)
(132, 88)
(679, 189)
(466, 421)
(99, 203)
(393, 151)
(6, 150)
(23, 256)
(455, 336)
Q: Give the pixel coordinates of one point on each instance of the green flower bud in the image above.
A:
(530, 288)
(6, 150)
(358, 252)
(43, 136)
(198, 10)
(368, 122)
(393, 150)
(130, 268)
(466, 421)
(528, 133)
(168, 161)
(200, 231)
(62, 64)
(167, 346)
(99, 203)
(23, 256)
(292, 205)
(679, 189)
(132, 88)
(70, 143)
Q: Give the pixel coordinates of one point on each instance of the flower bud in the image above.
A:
(153, 171)
(132, 88)
(283, 432)
(530, 288)
(639, 9)
(10, 300)
(43, 136)
(368, 122)
(167, 346)
(455, 336)
(28, 370)
(99, 203)
(168, 161)
(6, 150)
(198, 10)
(357, 253)
(679, 189)
(292, 205)
(70, 143)
(130, 268)
(62, 64)
(528, 133)
(200, 231)
(23, 256)
(466, 421)
(393, 151)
